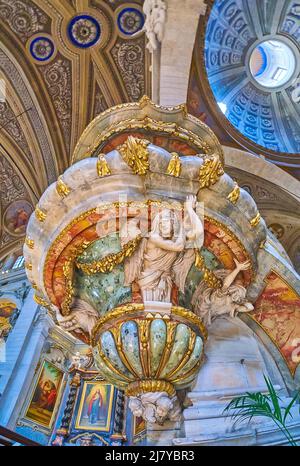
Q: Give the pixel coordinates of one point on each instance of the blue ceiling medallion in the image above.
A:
(41, 48)
(130, 21)
(84, 31)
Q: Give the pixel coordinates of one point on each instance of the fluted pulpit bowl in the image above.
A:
(143, 351)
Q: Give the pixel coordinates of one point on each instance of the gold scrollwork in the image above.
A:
(63, 190)
(234, 195)
(109, 262)
(210, 172)
(41, 301)
(148, 124)
(174, 166)
(102, 166)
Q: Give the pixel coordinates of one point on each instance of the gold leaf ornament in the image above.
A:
(174, 166)
(62, 188)
(210, 172)
(102, 166)
(135, 153)
(234, 195)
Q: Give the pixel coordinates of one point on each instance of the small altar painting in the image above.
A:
(45, 395)
(95, 407)
(139, 426)
(278, 312)
(8, 310)
(17, 216)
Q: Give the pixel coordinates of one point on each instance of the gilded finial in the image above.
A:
(234, 195)
(135, 153)
(28, 266)
(255, 221)
(29, 242)
(174, 166)
(210, 172)
(40, 214)
(102, 166)
(62, 189)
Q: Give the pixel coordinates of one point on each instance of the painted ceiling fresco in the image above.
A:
(61, 64)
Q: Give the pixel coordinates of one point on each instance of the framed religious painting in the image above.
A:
(139, 427)
(45, 395)
(95, 407)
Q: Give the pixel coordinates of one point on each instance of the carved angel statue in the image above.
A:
(156, 407)
(166, 256)
(155, 12)
(209, 303)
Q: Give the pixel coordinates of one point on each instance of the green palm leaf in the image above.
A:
(267, 405)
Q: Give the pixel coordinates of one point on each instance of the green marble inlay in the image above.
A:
(158, 338)
(194, 358)
(130, 342)
(108, 373)
(195, 276)
(101, 248)
(103, 291)
(110, 351)
(180, 347)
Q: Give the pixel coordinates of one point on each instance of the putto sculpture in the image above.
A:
(155, 12)
(139, 246)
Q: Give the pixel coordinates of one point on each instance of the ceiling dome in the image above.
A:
(252, 63)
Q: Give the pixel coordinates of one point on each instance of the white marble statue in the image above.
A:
(166, 256)
(76, 360)
(155, 12)
(82, 317)
(155, 407)
(210, 303)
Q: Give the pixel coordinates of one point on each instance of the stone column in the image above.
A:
(171, 62)
(23, 349)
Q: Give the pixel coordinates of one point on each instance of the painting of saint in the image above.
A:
(17, 216)
(95, 407)
(45, 394)
(7, 311)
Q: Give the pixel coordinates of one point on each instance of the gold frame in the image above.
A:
(138, 435)
(82, 399)
(58, 398)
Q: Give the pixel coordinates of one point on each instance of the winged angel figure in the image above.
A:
(163, 258)
(166, 255)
